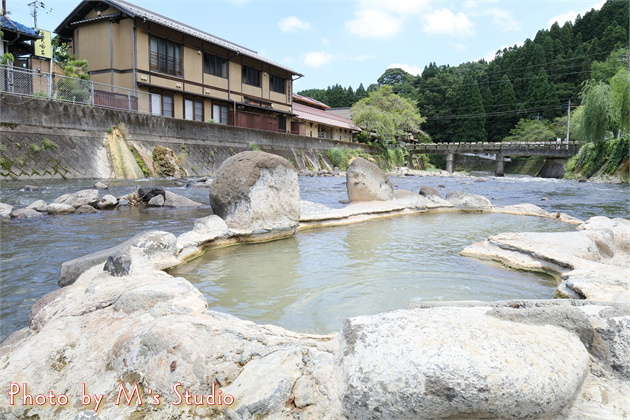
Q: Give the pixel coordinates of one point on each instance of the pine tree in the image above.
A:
(505, 108)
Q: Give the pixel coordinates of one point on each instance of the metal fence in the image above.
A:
(27, 82)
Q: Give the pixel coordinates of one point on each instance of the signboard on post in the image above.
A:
(42, 47)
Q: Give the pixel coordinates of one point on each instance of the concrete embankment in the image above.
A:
(42, 139)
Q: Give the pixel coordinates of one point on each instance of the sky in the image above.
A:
(349, 42)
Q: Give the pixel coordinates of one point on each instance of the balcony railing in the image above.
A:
(19, 81)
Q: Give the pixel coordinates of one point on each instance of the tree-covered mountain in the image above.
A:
(480, 101)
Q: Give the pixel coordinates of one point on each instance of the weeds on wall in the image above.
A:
(608, 158)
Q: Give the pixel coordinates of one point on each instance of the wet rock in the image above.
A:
(583, 179)
(21, 214)
(146, 194)
(29, 188)
(78, 199)
(256, 191)
(5, 210)
(86, 210)
(457, 363)
(177, 201)
(466, 201)
(100, 186)
(429, 192)
(157, 201)
(480, 180)
(60, 208)
(107, 202)
(367, 182)
(123, 202)
(39, 205)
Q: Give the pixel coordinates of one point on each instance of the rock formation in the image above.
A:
(367, 182)
(256, 191)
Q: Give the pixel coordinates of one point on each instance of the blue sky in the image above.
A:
(353, 41)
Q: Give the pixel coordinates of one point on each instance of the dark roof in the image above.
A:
(131, 10)
(8, 25)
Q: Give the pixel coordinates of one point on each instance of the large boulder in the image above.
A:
(256, 191)
(467, 201)
(457, 363)
(367, 182)
(78, 199)
(429, 192)
(26, 214)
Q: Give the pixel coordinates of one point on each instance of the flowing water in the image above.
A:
(307, 276)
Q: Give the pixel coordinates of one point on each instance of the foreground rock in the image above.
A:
(256, 191)
(450, 362)
(5, 210)
(592, 263)
(367, 182)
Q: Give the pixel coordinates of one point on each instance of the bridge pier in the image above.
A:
(450, 159)
(499, 171)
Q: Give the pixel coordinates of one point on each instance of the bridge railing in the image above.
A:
(493, 146)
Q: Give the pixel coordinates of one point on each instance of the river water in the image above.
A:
(32, 251)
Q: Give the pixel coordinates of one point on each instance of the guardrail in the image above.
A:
(549, 149)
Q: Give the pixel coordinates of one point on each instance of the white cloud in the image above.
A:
(293, 24)
(374, 23)
(317, 59)
(503, 20)
(570, 16)
(411, 69)
(443, 21)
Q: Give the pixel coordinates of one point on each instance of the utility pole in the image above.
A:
(568, 122)
(35, 5)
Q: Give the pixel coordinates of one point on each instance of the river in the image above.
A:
(32, 251)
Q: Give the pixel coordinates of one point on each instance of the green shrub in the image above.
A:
(340, 157)
(254, 147)
(33, 148)
(48, 144)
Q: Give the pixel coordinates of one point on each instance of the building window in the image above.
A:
(193, 110)
(277, 84)
(215, 65)
(161, 105)
(166, 56)
(220, 114)
(251, 76)
(282, 124)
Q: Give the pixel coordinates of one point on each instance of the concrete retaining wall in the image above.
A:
(41, 139)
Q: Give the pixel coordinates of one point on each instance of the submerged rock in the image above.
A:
(367, 182)
(256, 191)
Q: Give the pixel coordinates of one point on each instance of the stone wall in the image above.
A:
(42, 139)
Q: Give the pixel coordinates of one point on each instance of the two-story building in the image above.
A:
(185, 73)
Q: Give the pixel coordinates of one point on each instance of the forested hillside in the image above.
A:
(483, 101)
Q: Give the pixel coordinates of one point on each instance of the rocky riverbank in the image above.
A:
(124, 339)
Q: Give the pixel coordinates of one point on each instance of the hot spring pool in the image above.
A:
(314, 280)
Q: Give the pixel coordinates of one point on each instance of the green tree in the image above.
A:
(394, 76)
(531, 130)
(597, 113)
(471, 122)
(620, 86)
(390, 116)
(504, 109)
(360, 93)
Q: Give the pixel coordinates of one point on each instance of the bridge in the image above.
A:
(500, 150)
